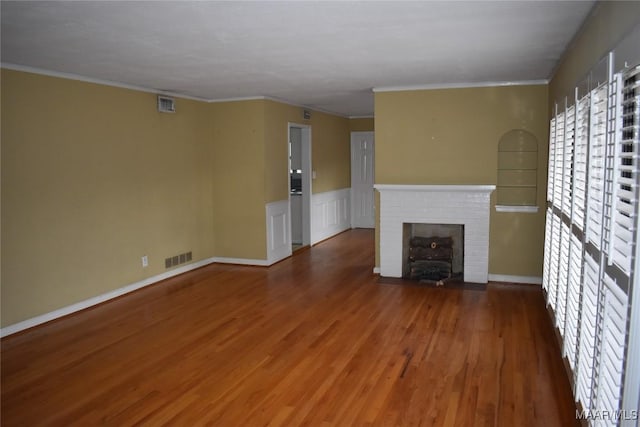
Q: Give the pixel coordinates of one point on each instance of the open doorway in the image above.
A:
(299, 169)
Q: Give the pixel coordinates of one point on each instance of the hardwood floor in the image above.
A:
(314, 340)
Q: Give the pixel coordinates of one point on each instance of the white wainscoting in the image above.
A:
(330, 214)
(278, 231)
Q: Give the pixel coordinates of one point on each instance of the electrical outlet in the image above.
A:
(145, 261)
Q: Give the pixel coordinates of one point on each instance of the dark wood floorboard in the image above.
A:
(314, 340)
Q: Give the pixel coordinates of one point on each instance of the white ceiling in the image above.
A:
(324, 55)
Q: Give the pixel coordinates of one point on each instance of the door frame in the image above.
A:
(306, 179)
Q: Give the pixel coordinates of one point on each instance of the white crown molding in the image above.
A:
(434, 188)
(458, 85)
(293, 104)
(237, 99)
(362, 117)
(77, 77)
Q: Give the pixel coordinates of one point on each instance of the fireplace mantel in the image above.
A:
(446, 188)
(468, 205)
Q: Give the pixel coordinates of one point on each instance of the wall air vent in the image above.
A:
(166, 104)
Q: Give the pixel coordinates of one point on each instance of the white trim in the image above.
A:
(433, 188)
(307, 179)
(242, 261)
(362, 117)
(376, 270)
(458, 85)
(35, 321)
(530, 280)
(518, 209)
(308, 107)
(71, 76)
(235, 99)
(78, 77)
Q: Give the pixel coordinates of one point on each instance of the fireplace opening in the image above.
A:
(433, 253)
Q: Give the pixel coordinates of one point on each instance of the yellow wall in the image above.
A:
(450, 136)
(330, 155)
(93, 178)
(238, 169)
(362, 124)
(331, 152)
(609, 22)
(277, 118)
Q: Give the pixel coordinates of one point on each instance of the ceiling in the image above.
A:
(323, 55)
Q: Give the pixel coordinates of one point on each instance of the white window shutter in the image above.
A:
(597, 164)
(552, 293)
(567, 170)
(580, 162)
(612, 348)
(563, 278)
(547, 251)
(588, 356)
(573, 301)
(558, 177)
(552, 157)
(625, 170)
(590, 246)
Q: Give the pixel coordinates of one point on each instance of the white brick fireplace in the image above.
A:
(468, 205)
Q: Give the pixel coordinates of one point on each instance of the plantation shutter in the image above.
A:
(546, 274)
(587, 343)
(612, 348)
(573, 301)
(558, 178)
(590, 250)
(597, 157)
(625, 171)
(580, 162)
(567, 172)
(552, 157)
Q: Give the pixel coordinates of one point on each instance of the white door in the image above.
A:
(362, 176)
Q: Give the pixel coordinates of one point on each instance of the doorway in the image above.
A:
(299, 170)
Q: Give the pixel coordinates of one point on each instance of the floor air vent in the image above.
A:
(172, 261)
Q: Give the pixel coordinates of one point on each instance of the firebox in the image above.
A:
(433, 252)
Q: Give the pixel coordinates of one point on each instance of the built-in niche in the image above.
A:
(517, 171)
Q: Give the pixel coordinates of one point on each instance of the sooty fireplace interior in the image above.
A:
(433, 253)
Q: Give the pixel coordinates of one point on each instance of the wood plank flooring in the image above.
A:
(314, 340)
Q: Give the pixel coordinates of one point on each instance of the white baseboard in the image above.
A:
(529, 280)
(38, 320)
(376, 270)
(242, 261)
